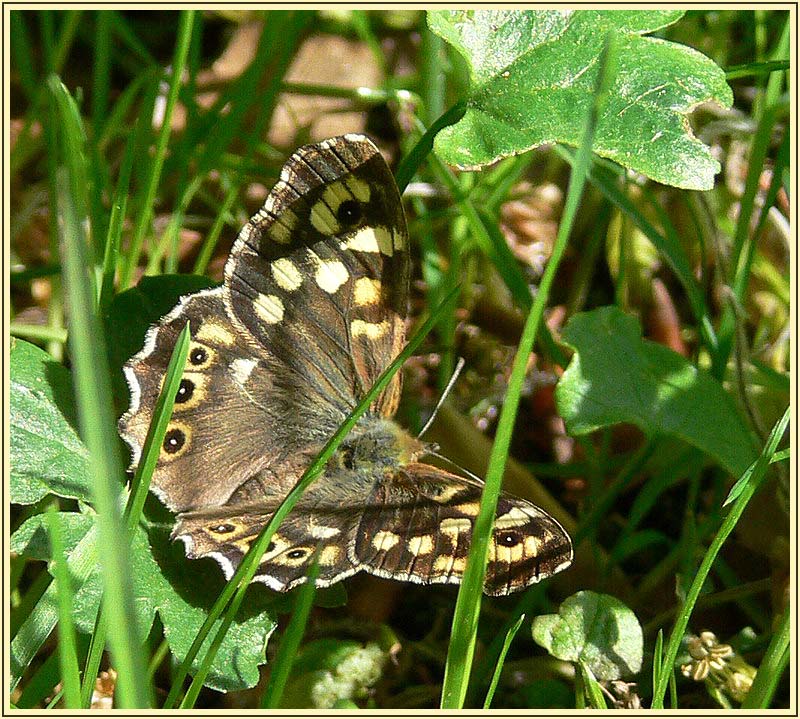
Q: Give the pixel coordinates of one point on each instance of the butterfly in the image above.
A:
(311, 311)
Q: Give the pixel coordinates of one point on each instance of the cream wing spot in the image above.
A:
(371, 330)
(282, 229)
(370, 239)
(399, 240)
(384, 540)
(367, 291)
(242, 368)
(319, 531)
(448, 564)
(454, 527)
(269, 308)
(471, 509)
(330, 275)
(335, 194)
(510, 554)
(323, 219)
(286, 274)
(531, 546)
(359, 188)
(421, 545)
(216, 334)
(446, 492)
(330, 556)
(515, 517)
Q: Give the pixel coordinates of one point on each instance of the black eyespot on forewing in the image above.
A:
(297, 553)
(349, 213)
(508, 538)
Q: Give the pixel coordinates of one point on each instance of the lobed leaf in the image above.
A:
(616, 376)
(532, 77)
(48, 455)
(596, 630)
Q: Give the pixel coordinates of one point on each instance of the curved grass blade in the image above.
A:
(95, 410)
(498, 670)
(67, 648)
(284, 658)
(728, 525)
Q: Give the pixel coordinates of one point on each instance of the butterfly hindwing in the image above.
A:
(417, 526)
(226, 535)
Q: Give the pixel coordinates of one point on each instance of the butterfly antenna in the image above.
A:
(469, 474)
(450, 383)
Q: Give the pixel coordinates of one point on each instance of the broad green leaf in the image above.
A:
(181, 597)
(47, 455)
(616, 376)
(31, 538)
(182, 592)
(595, 629)
(82, 563)
(532, 78)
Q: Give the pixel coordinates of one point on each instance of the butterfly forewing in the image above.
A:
(320, 278)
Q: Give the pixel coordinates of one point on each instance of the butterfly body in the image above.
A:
(311, 311)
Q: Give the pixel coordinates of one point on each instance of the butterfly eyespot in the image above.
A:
(198, 356)
(174, 441)
(297, 553)
(270, 546)
(349, 213)
(509, 539)
(223, 528)
(185, 391)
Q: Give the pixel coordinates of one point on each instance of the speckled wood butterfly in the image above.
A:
(311, 311)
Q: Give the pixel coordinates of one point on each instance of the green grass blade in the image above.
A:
(728, 525)
(284, 658)
(239, 582)
(96, 417)
(465, 617)
(422, 149)
(498, 669)
(591, 687)
(119, 206)
(744, 247)
(774, 663)
(139, 488)
(146, 210)
(658, 655)
(67, 647)
(162, 413)
(207, 250)
(101, 70)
